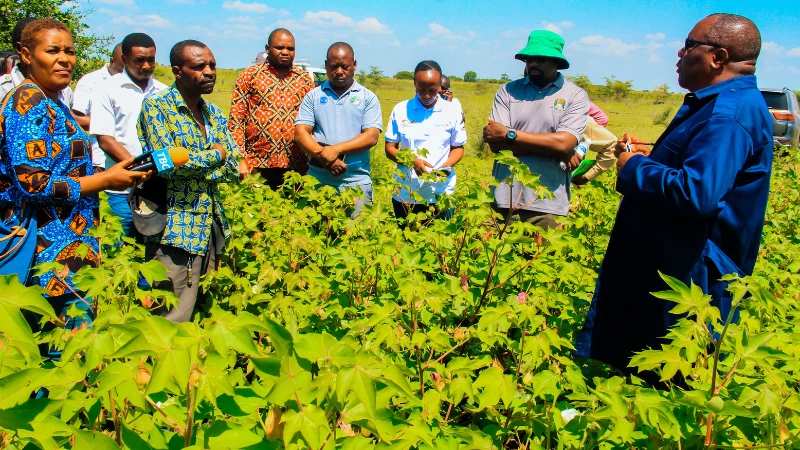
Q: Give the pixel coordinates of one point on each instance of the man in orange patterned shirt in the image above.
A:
(263, 108)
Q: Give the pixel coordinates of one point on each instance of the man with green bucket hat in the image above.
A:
(540, 118)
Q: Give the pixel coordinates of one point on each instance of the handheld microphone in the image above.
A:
(161, 161)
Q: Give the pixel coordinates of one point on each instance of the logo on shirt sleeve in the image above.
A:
(323, 100)
(559, 104)
(355, 100)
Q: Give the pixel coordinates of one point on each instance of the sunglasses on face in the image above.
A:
(690, 43)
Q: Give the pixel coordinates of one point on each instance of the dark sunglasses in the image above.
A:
(689, 44)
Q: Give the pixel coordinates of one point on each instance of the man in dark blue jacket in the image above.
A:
(694, 207)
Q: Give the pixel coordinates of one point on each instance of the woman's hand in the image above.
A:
(118, 178)
(421, 166)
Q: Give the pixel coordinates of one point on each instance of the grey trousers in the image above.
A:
(177, 262)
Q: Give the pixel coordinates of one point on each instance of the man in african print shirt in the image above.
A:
(196, 227)
(263, 109)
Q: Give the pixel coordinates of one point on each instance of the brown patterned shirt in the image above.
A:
(263, 109)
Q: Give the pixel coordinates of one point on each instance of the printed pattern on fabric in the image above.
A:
(192, 192)
(263, 110)
(43, 152)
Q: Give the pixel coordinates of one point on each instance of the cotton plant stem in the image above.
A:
(174, 424)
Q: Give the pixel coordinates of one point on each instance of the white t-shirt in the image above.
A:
(437, 130)
(457, 103)
(115, 111)
(82, 102)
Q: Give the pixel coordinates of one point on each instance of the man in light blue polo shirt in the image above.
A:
(338, 123)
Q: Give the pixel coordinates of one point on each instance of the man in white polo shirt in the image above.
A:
(115, 112)
(425, 122)
(82, 103)
(338, 123)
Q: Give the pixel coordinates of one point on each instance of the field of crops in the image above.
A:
(325, 332)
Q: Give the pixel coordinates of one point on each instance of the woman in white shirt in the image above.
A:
(425, 123)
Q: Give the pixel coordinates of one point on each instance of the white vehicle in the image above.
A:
(318, 76)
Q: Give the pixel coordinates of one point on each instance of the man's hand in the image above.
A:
(580, 180)
(244, 169)
(421, 166)
(495, 132)
(448, 95)
(338, 167)
(118, 178)
(636, 146)
(572, 160)
(327, 155)
(221, 150)
(623, 158)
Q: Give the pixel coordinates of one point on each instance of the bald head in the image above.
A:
(340, 48)
(278, 32)
(736, 34)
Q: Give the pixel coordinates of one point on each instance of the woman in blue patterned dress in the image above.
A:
(45, 163)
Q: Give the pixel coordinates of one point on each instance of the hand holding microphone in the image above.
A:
(161, 161)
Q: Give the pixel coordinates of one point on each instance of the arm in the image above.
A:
(154, 136)
(83, 120)
(603, 142)
(392, 146)
(240, 111)
(103, 125)
(598, 115)
(712, 158)
(370, 131)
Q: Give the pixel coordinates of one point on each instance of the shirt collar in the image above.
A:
(17, 75)
(418, 104)
(326, 86)
(180, 103)
(558, 82)
(126, 79)
(745, 81)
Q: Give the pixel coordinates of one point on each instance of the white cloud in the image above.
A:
(515, 34)
(794, 52)
(656, 36)
(200, 32)
(772, 47)
(655, 55)
(333, 19)
(240, 19)
(440, 32)
(556, 27)
(255, 8)
(146, 21)
(604, 46)
(116, 2)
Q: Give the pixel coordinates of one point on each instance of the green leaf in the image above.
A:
(358, 381)
(227, 434)
(20, 297)
(93, 440)
(311, 423)
(280, 337)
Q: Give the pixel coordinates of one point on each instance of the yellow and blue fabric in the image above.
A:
(192, 193)
(693, 210)
(43, 152)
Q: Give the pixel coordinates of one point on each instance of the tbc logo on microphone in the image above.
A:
(163, 161)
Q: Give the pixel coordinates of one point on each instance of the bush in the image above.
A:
(470, 76)
(661, 93)
(404, 75)
(662, 117)
(617, 89)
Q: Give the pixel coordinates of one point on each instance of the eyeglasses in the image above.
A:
(690, 43)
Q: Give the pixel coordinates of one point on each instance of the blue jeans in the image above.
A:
(120, 208)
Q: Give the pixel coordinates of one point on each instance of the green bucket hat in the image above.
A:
(545, 43)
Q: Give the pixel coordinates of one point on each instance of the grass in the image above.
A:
(634, 114)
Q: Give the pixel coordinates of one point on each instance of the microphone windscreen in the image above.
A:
(179, 156)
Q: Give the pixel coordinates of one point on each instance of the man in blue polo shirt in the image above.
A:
(694, 208)
(338, 123)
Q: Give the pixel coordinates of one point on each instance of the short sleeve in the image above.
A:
(458, 136)
(81, 101)
(577, 113)
(392, 132)
(372, 113)
(501, 110)
(102, 121)
(305, 116)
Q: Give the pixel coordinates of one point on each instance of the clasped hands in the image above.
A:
(329, 157)
(637, 148)
(495, 132)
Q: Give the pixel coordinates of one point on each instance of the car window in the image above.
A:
(776, 100)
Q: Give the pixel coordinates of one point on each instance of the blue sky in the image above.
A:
(632, 40)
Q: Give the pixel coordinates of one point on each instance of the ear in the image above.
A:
(355, 64)
(720, 58)
(176, 70)
(17, 47)
(124, 59)
(25, 55)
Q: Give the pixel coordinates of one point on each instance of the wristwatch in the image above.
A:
(511, 135)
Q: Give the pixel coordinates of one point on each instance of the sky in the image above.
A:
(635, 40)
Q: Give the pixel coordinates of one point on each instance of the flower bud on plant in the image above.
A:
(522, 297)
(273, 425)
(194, 376)
(143, 375)
(527, 379)
(464, 283)
(148, 301)
(438, 381)
(459, 334)
(347, 429)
